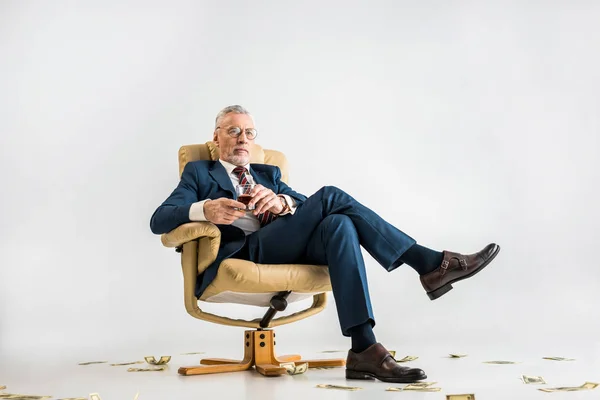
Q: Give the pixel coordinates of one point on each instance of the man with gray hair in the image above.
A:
(327, 228)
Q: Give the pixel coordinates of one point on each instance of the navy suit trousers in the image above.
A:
(329, 228)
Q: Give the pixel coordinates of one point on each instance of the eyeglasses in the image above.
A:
(236, 131)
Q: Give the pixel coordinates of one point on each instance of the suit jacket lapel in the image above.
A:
(219, 174)
(260, 178)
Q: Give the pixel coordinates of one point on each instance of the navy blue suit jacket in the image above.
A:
(203, 180)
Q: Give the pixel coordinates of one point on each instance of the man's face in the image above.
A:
(234, 150)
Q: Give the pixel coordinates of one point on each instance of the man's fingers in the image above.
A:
(260, 206)
(224, 210)
(265, 204)
(233, 213)
(229, 219)
(259, 189)
(260, 195)
(235, 204)
(272, 203)
(256, 189)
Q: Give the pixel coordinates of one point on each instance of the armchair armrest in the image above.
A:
(204, 236)
(190, 231)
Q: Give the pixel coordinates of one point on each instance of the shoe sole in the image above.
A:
(351, 374)
(439, 292)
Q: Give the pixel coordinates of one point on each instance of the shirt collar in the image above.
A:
(229, 167)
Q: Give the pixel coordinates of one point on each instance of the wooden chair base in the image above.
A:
(259, 352)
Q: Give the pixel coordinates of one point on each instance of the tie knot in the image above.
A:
(239, 170)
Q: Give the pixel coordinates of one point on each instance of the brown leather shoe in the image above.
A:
(456, 267)
(377, 362)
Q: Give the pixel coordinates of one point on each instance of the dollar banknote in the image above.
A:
(589, 385)
(427, 389)
(535, 380)
(22, 396)
(73, 398)
(287, 364)
(126, 363)
(457, 355)
(393, 389)
(163, 360)
(558, 359)
(421, 384)
(460, 397)
(95, 396)
(393, 353)
(338, 387)
(585, 386)
(145, 369)
(500, 362)
(322, 367)
(417, 388)
(293, 369)
(92, 362)
(300, 369)
(408, 358)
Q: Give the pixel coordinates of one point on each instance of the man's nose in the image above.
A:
(242, 138)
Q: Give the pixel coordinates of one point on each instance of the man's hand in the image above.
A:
(265, 200)
(223, 211)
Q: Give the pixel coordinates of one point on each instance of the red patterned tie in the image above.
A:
(243, 175)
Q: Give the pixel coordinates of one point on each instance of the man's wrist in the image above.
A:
(196, 212)
(285, 205)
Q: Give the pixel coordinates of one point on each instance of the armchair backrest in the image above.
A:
(208, 151)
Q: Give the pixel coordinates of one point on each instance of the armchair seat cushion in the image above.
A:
(245, 282)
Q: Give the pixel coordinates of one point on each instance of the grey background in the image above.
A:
(459, 122)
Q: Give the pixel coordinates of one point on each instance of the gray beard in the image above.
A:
(240, 161)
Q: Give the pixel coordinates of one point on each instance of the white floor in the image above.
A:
(60, 376)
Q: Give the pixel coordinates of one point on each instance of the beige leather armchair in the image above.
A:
(245, 282)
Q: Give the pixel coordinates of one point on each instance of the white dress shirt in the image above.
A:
(248, 223)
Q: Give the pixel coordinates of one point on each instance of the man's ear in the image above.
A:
(216, 138)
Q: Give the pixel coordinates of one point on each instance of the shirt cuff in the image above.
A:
(197, 211)
(290, 202)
